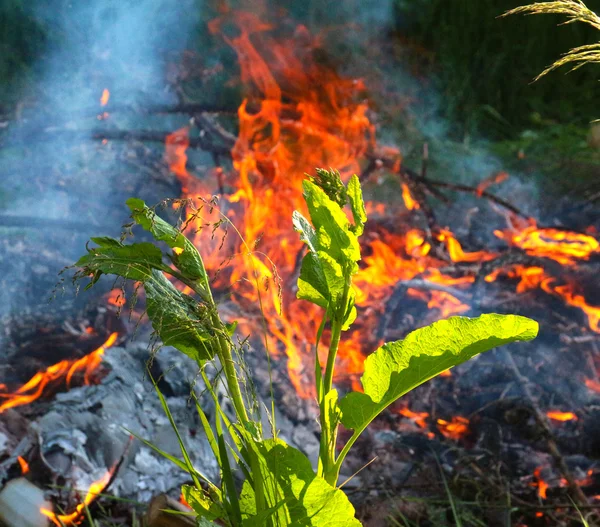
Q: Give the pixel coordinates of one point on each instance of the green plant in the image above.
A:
(279, 486)
(574, 11)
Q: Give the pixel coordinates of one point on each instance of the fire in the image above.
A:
(116, 298)
(420, 418)
(536, 277)
(23, 464)
(495, 179)
(530, 277)
(298, 113)
(455, 429)
(556, 415)
(593, 385)
(64, 370)
(565, 247)
(409, 201)
(76, 516)
(105, 97)
(176, 145)
(541, 485)
(455, 250)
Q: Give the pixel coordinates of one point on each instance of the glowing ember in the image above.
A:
(555, 415)
(23, 464)
(420, 418)
(455, 429)
(96, 488)
(104, 98)
(62, 371)
(541, 485)
(409, 201)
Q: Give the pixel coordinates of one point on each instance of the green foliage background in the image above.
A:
(483, 66)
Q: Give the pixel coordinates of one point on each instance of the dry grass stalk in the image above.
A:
(575, 11)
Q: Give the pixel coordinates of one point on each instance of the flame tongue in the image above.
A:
(76, 516)
(63, 370)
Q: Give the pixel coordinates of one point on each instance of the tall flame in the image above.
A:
(61, 371)
(298, 114)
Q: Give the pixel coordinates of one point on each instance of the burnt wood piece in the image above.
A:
(158, 514)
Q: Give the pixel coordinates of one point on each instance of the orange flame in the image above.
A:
(410, 202)
(541, 485)
(556, 415)
(23, 464)
(455, 250)
(455, 429)
(115, 297)
(565, 247)
(76, 516)
(593, 385)
(492, 180)
(104, 98)
(63, 370)
(176, 145)
(420, 418)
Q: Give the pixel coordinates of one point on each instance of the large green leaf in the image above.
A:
(297, 496)
(398, 367)
(186, 257)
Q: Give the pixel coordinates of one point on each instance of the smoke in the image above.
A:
(51, 168)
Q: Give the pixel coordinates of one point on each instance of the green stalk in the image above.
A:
(224, 352)
(327, 465)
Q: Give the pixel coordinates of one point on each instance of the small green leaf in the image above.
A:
(201, 503)
(357, 205)
(186, 257)
(398, 367)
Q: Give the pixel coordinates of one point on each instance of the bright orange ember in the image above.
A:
(104, 98)
(456, 428)
(23, 464)
(61, 371)
(556, 415)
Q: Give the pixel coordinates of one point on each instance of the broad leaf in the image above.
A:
(186, 257)
(297, 495)
(398, 367)
(135, 261)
